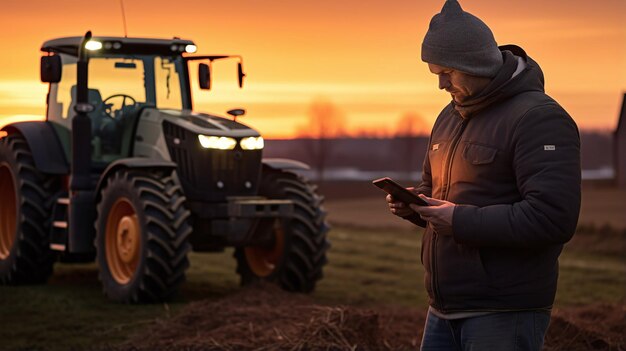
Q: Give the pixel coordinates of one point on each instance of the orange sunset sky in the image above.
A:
(360, 55)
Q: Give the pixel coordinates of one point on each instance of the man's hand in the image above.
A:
(438, 214)
(399, 208)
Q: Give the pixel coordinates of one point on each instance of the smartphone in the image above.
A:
(399, 192)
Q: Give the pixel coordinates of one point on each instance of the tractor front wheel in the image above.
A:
(142, 231)
(295, 258)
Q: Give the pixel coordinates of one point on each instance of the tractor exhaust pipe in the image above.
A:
(82, 210)
(80, 178)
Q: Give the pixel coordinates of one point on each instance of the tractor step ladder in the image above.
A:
(58, 235)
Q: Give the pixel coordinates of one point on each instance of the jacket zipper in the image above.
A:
(448, 174)
(454, 145)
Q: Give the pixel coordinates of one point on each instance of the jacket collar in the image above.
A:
(507, 82)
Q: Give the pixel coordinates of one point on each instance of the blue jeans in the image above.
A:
(514, 331)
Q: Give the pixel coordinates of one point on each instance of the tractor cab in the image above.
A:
(126, 75)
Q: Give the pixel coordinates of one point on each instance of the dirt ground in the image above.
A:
(266, 318)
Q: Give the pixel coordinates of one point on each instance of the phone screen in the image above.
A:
(399, 192)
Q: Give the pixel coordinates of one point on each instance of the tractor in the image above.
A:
(124, 172)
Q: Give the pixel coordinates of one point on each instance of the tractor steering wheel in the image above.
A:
(108, 107)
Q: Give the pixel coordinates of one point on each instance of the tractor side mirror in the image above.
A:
(240, 74)
(51, 69)
(237, 112)
(204, 76)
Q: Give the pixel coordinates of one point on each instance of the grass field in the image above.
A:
(367, 267)
(374, 260)
(601, 207)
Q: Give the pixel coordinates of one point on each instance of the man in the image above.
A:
(502, 177)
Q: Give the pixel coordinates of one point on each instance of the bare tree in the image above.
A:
(325, 123)
(409, 127)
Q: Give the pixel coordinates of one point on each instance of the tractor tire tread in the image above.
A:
(166, 221)
(30, 260)
(306, 246)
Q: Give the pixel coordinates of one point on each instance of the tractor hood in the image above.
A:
(203, 123)
(158, 130)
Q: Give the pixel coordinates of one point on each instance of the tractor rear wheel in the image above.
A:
(298, 253)
(25, 255)
(142, 236)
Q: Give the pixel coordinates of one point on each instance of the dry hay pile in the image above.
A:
(267, 318)
(597, 327)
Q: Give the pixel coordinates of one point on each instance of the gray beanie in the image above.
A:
(460, 40)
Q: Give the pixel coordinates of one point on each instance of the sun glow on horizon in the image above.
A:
(5, 120)
(361, 57)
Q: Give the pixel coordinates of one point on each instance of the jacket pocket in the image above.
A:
(460, 272)
(479, 154)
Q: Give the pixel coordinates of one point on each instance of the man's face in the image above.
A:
(460, 85)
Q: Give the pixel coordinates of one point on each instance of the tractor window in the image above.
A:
(59, 100)
(119, 86)
(117, 90)
(60, 93)
(167, 83)
(116, 79)
(114, 85)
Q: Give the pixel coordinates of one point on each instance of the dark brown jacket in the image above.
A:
(512, 166)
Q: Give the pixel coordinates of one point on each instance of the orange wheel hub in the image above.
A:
(263, 260)
(122, 241)
(8, 211)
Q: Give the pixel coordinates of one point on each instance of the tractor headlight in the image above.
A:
(215, 142)
(93, 45)
(252, 143)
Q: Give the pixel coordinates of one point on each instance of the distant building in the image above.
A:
(620, 147)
